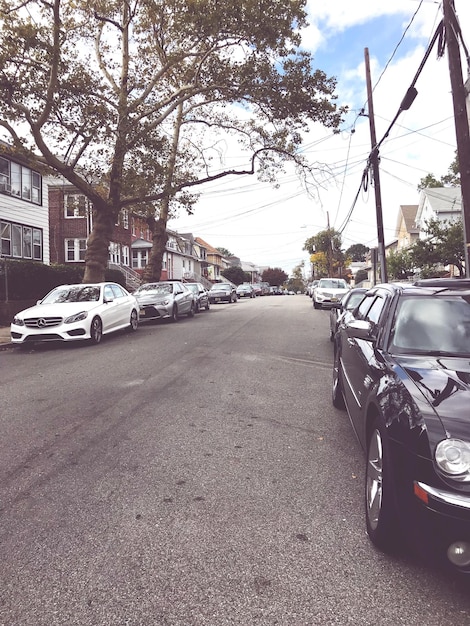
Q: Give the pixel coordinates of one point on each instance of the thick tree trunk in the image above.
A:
(97, 252)
(153, 270)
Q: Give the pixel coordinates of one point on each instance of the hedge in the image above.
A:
(28, 280)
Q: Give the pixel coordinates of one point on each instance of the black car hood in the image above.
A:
(445, 385)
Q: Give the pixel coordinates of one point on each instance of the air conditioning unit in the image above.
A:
(5, 187)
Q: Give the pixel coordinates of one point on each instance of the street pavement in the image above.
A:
(4, 336)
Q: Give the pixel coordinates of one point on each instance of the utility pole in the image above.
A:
(374, 161)
(461, 120)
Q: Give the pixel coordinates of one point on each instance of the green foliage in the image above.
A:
(400, 264)
(451, 179)
(236, 275)
(326, 246)
(29, 280)
(224, 252)
(443, 245)
(361, 275)
(357, 252)
(130, 102)
(274, 276)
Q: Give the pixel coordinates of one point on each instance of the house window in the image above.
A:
(4, 175)
(75, 205)
(20, 181)
(15, 179)
(27, 241)
(5, 232)
(114, 253)
(17, 240)
(36, 188)
(26, 183)
(75, 250)
(139, 259)
(37, 244)
(20, 242)
(125, 219)
(125, 255)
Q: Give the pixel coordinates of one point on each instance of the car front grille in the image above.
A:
(42, 322)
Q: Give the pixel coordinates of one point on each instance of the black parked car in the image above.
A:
(402, 369)
(201, 296)
(222, 292)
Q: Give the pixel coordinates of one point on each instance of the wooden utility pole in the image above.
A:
(461, 120)
(374, 161)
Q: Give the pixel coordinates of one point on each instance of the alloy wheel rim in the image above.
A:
(374, 489)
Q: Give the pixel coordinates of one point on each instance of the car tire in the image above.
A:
(337, 397)
(316, 305)
(134, 321)
(174, 314)
(208, 306)
(196, 307)
(332, 335)
(96, 330)
(191, 310)
(380, 500)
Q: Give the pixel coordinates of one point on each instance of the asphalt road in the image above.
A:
(195, 474)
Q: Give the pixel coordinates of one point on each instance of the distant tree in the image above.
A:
(357, 252)
(329, 242)
(224, 252)
(443, 244)
(235, 275)
(361, 275)
(319, 263)
(274, 276)
(400, 264)
(296, 281)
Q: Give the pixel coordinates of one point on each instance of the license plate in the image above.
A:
(142, 312)
(217, 299)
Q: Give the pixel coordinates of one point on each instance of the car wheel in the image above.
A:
(316, 305)
(380, 504)
(191, 310)
(208, 306)
(134, 323)
(174, 314)
(337, 390)
(332, 335)
(196, 308)
(96, 330)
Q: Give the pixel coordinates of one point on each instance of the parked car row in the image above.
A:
(89, 311)
(402, 371)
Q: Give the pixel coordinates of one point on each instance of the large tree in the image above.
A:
(136, 103)
(275, 276)
(442, 245)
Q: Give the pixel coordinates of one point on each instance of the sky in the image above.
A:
(269, 226)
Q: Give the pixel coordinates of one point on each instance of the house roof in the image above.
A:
(408, 213)
(441, 200)
(208, 247)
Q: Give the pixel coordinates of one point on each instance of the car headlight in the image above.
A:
(78, 317)
(18, 321)
(453, 459)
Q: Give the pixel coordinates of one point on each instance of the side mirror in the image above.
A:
(360, 329)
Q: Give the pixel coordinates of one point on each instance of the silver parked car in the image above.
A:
(201, 296)
(76, 312)
(165, 299)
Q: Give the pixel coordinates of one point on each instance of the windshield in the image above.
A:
(432, 325)
(330, 283)
(155, 288)
(193, 287)
(221, 286)
(73, 293)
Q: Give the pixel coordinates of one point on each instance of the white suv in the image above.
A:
(328, 291)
